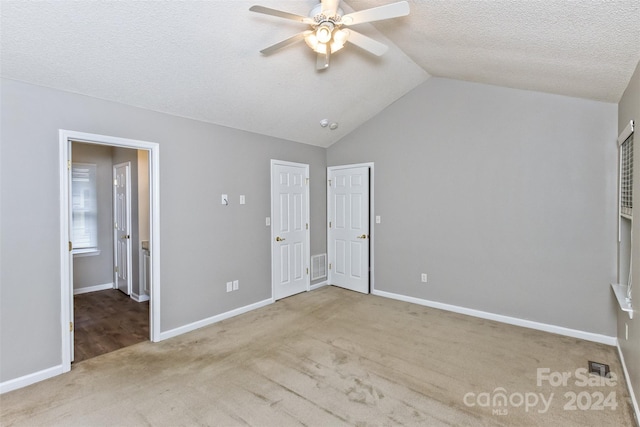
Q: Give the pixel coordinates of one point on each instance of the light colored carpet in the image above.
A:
(333, 357)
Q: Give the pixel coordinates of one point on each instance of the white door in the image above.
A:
(348, 216)
(289, 228)
(122, 226)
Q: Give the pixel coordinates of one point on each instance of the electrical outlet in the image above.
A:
(378, 219)
(229, 286)
(423, 277)
(242, 199)
(236, 284)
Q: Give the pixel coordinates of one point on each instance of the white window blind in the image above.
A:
(626, 177)
(625, 144)
(84, 206)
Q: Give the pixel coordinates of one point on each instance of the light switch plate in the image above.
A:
(242, 200)
(377, 219)
(236, 284)
(267, 221)
(224, 199)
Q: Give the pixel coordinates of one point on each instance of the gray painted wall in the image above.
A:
(505, 198)
(629, 109)
(204, 244)
(98, 269)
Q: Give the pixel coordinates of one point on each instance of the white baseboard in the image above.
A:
(560, 330)
(211, 320)
(629, 385)
(94, 288)
(318, 285)
(139, 298)
(29, 379)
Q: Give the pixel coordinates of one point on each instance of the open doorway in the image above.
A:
(110, 235)
(89, 266)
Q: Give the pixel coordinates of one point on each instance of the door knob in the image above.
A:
(280, 239)
(126, 236)
(364, 236)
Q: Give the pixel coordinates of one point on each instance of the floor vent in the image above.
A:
(318, 266)
(599, 369)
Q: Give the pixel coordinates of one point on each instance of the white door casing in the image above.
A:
(69, 262)
(122, 227)
(289, 228)
(66, 258)
(348, 232)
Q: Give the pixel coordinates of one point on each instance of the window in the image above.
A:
(622, 291)
(626, 177)
(84, 207)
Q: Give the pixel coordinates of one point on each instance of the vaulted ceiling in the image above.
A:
(201, 60)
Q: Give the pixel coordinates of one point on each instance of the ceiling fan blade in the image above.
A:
(282, 14)
(284, 43)
(322, 59)
(330, 7)
(388, 11)
(366, 43)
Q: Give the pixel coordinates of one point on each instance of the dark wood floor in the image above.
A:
(106, 321)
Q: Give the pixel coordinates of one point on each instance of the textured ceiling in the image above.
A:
(582, 48)
(201, 59)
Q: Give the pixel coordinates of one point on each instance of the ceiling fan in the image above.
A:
(327, 34)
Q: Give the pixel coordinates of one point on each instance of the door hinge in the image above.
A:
(307, 226)
(306, 181)
(115, 268)
(329, 183)
(329, 224)
(68, 164)
(70, 326)
(329, 266)
(307, 271)
(70, 246)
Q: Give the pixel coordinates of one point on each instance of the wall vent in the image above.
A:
(318, 266)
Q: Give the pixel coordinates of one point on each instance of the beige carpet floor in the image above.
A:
(332, 357)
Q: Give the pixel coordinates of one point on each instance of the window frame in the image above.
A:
(93, 249)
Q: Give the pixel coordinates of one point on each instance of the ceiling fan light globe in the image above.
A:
(324, 33)
(312, 41)
(322, 48)
(335, 46)
(340, 37)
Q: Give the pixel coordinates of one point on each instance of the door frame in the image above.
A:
(115, 231)
(372, 217)
(66, 258)
(307, 238)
